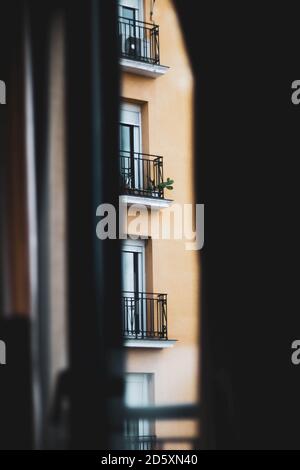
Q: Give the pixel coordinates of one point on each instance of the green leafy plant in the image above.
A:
(166, 185)
(161, 186)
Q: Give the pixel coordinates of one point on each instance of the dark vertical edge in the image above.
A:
(191, 36)
(40, 15)
(93, 265)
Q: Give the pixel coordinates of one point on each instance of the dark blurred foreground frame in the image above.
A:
(245, 57)
(16, 408)
(16, 402)
(92, 90)
(250, 391)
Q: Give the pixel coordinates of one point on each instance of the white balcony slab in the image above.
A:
(150, 343)
(142, 68)
(153, 203)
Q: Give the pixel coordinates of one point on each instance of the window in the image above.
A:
(131, 9)
(133, 262)
(139, 391)
(131, 165)
(131, 119)
(141, 174)
(133, 280)
(129, 13)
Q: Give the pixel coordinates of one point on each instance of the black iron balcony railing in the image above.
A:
(139, 40)
(144, 315)
(140, 442)
(141, 174)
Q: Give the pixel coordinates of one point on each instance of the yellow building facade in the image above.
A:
(157, 120)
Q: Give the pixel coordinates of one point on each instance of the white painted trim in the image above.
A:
(137, 245)
(152, 203)
(142, 68)
(131, 107)
(150, 343)
(129, 112)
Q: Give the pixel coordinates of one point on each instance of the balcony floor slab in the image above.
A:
(154, 203)
(142, 68)
(150, 343)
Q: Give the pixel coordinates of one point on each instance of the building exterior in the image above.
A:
(160, 277)
(159, 302)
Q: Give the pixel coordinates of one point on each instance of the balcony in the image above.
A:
(144, 315)
(141, 179)
(139, 48)
(145, 320)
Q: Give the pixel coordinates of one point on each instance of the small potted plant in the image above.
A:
(166, 185)
(154, 189)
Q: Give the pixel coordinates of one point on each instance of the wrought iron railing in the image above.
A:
(139, 41)
(141, 174)
(144, 315)
(152, 413)
(140, 443)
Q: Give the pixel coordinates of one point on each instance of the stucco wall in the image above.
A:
(168, 120)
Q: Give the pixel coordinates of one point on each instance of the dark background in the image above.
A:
(245, 58)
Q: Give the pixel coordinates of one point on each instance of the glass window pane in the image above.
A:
(128, 13)
(125, 138)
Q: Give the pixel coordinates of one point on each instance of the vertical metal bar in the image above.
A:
(158, 314)
(124, 308)
(146, 173)
(158, 181)
(151, 319)
(166, 316)
(132, 156)
(157, 57)
(162, 177)
(151, 45)
(132, 314)
(144, 41)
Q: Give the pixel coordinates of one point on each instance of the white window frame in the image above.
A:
(138, 246)
(131, 114)
(136, 4)
(146, 380)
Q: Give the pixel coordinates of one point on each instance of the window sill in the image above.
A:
(142, 68)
